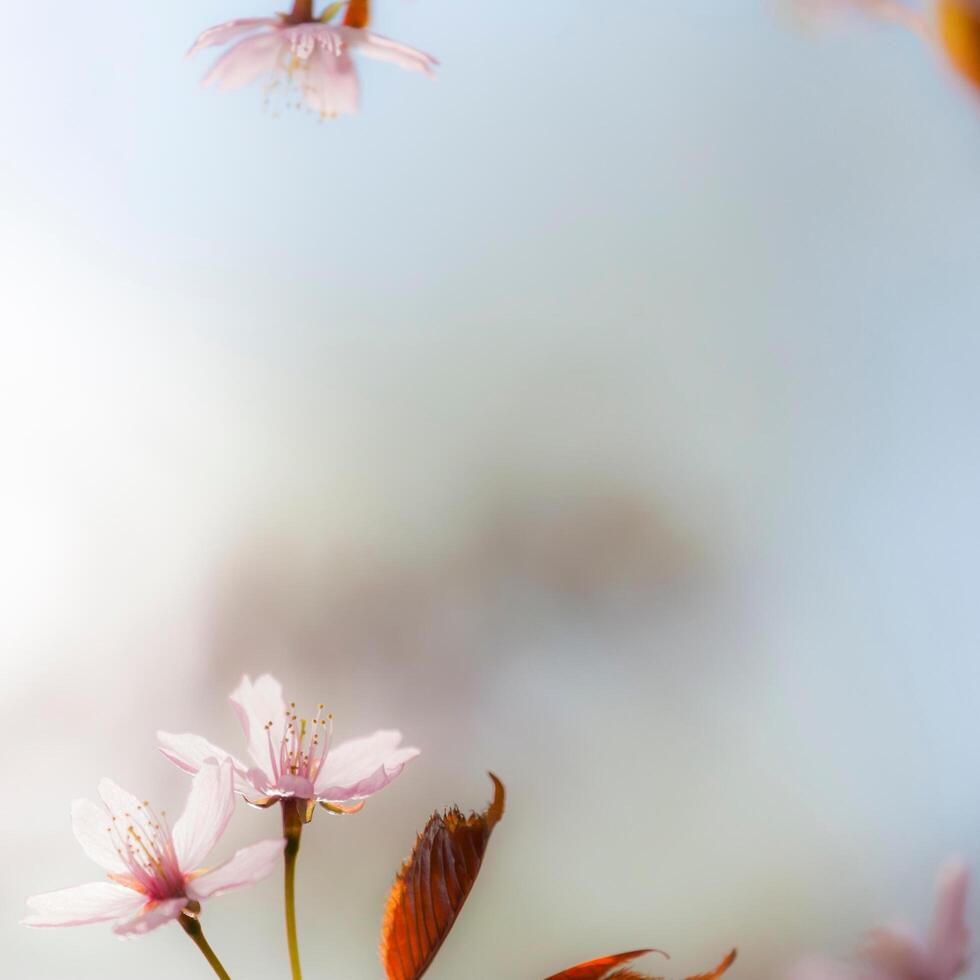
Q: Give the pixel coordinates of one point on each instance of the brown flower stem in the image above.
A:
(191, 924)
(302, 12)
(292, 829)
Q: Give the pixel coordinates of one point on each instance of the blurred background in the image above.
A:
(603, 413)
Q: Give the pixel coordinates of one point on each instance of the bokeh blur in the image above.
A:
(603, 413)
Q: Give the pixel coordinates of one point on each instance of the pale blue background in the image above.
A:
(269, 389)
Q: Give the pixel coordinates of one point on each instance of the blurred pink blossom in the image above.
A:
(892, 953)
(293, 757)
(314, 56)
(153, 870)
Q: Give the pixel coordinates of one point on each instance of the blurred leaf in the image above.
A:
(600, 969)
(719, 969)
(331, 12)
(358, 13)
(432, 886)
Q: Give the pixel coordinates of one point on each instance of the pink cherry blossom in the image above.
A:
(293, 757)
(313, 56)
(892, 953)
(154, 871)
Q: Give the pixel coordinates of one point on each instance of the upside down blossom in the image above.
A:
(153, 871)
(315, 57)
(293, 757)
(899, 954)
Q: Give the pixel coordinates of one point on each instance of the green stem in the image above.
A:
(292, 828)
(192, 926)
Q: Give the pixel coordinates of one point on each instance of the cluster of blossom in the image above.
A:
(154, 872)
(307, 53)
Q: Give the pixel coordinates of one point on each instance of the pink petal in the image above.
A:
(329, 83)
(256, 705)
(100, 901)
(125, 807)
(897, 954)
(290, 785)
(384, 49)
(151, 916)
(191, 752)
(91, 825)
(230, 30)
(356, 769)
(246, 62)
(209, 808)
(247, 866)
(949, 936)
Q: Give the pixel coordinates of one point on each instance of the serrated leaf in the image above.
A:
(601, 968)
(432, 886)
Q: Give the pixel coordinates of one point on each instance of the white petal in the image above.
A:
(290, 785)
(256, 705)
(329, 83)
(92, 824)
(250, 864)
(384, 49)
(358, 768)
(100, 901)
(126, 808)
(151, 917)
(949, 937)
(190, 752)
(246, 61)
(229, 31)
(209, 808)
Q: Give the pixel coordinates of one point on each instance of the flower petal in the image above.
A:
(247, 866)
(91, 825)
(209, 808)
(329, 83)
(949, 936)
(101, 901)
(246, 61)
(229, 31)
(895, 953)
(299, 786)
(151, 916)
(191, 752)
(356, 769)
(124, 807)
(257, 705)
(384, 49)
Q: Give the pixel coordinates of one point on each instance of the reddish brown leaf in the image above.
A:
(432, 886)
(719, 969)
(599, 969)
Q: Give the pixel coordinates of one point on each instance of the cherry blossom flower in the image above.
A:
(898, 954)
(292, 757)
(309, 53)
(154, 871)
